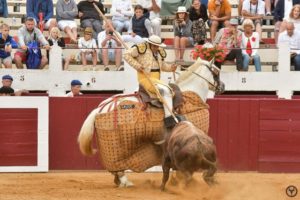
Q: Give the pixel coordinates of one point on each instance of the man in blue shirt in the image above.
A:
(42, 12)
(3, 9)
(6, 44)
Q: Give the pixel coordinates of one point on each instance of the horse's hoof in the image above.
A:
(126, 184)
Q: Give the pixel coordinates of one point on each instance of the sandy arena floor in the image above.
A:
(99, 185)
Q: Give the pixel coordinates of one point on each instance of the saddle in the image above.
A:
(153, 101)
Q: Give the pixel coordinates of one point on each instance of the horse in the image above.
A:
(188, 149)
(127, 131)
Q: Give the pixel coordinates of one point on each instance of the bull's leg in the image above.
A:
(188, 177)
(166, 165)
(121, 179)
(208, 175)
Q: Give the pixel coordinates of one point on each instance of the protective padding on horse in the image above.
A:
(127, 134)
(131, 144)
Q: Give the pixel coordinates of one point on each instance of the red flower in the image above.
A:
(208, 53)
(253, 39)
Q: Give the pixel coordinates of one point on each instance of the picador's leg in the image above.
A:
(166, 93)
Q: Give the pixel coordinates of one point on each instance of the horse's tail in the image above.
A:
(86, 134)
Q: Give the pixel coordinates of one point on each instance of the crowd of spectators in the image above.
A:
(142, 21)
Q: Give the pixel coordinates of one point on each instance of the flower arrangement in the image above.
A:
(208, 52)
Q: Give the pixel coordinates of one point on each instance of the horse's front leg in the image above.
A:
(121, 179)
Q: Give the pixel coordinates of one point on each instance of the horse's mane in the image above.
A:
(187, 73)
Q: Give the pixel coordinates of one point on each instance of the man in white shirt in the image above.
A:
(75, 88)
(110, 47)
(121, 11)
(292, 37)
(153, 7)
(254, 10)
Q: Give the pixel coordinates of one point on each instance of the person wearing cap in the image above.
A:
(148, 59)
(6, 91)
(182, 32)
(111, 47)
(87, 45)
(7, 42)
(7, 81)
(254, 10)
(152, 9)
(75, 88)
(89, 16)
(28, 33)
(230, 37)
(219, 14)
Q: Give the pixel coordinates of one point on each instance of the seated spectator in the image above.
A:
(7, 81)
(121, 11)
(219, 14)
(111, 47)
(139, 27)
(55, 38)
(75, 89)
(27, 34)
(268, 7)
(182, 32)
(89, 16)
(254, 10)
(294, 17)
(42, 12)
(282, 10)
(66, 12)
(87, 46)
(230, 37)
(152, 9)
(292, 38)
(7, 42)
(198, 16)
(3, 9)
(6, 91)
(250, 45)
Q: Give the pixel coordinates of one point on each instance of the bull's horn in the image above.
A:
(212, 62)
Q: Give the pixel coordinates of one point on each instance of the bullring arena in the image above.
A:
(98, 185)
(255, 126)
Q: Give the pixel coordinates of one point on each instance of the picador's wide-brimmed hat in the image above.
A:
(155, 40)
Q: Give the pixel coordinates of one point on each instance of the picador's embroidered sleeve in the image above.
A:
(130, 56)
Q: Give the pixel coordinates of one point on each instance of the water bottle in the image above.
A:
(14, 21)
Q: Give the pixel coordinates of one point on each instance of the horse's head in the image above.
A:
(206, 71)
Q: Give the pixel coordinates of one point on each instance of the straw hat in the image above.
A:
(181, 9)
(155, 40)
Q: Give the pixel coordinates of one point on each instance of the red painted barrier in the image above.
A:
(18, 137)
(250, 134)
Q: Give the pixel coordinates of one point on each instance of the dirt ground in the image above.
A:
(99, 185)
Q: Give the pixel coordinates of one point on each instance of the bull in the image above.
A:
(188, 149)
